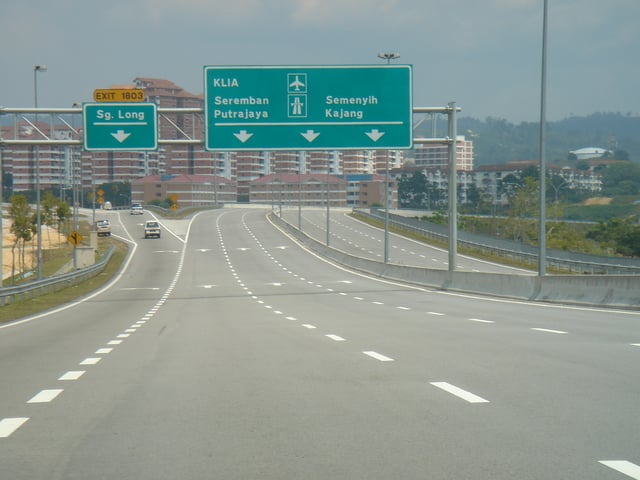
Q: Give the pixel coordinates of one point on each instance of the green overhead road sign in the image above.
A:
(120, 126)
(308, 107)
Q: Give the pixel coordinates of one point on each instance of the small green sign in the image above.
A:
(308, 107)
(120, 126)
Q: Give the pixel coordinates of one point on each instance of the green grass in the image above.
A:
(444, 245)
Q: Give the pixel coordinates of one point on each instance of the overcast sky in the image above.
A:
(483, 54)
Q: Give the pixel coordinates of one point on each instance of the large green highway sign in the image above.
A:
(308, 107)
(120, 126)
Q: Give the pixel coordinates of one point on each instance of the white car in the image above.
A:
(103, 227)
(151, 229)
(136, 209)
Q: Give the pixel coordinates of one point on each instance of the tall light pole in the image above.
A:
(388, 57)
(543, 163)
(1, 214)
(36, 69)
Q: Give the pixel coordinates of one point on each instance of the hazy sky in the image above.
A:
(483, 54)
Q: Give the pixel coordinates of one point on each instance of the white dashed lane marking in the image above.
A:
(479, 320)
(73, 375)
(630, 469)
(45, 396)
(335, 337)
(458, 392)
(546, 330)
(10, 425)
(378, 356)
(90, 361)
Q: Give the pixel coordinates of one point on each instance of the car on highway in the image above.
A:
(151, 229)
(103, 227)
(136, 209)
(107, 206)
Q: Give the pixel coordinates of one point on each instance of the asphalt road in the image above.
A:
(363, 240)
(226, 351)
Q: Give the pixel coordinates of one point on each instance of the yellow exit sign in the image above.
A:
(119, 95)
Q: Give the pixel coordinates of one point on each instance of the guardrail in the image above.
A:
(557, 260)
(36, 288)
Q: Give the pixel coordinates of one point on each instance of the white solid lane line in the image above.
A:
(10, 425)
(45, 396)
(72, 375)
(458, 392)
(378, 356)
(630, 469)
(548, 330)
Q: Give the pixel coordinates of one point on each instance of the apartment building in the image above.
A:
(306, 190)
(187, 190)
(436, 156)
(490, 179)
(61, 165)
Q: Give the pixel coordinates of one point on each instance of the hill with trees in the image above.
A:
(497, 141)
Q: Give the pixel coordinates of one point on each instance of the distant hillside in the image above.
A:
(497, 141)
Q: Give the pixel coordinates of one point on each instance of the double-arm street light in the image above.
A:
(36, 69)
(388, 57)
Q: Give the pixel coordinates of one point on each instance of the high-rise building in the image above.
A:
(436, 156)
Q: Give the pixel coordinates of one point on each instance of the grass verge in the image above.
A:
(42, 303)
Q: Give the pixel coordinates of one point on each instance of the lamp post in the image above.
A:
(1, 214)
(542, 230)
(388, 57)
(36, 69)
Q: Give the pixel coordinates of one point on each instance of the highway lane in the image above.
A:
(255, 359)
(360, 239)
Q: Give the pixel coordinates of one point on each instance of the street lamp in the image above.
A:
(36, 69)
(388, 57)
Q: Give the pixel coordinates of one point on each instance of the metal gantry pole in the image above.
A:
(386, 209)
(328, 213)
(300, 199)
(36, 69)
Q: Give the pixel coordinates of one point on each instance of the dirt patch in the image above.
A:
(50, 239)
(598, 201)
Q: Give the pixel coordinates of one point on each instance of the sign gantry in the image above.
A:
(308, 107)
(120, 126)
